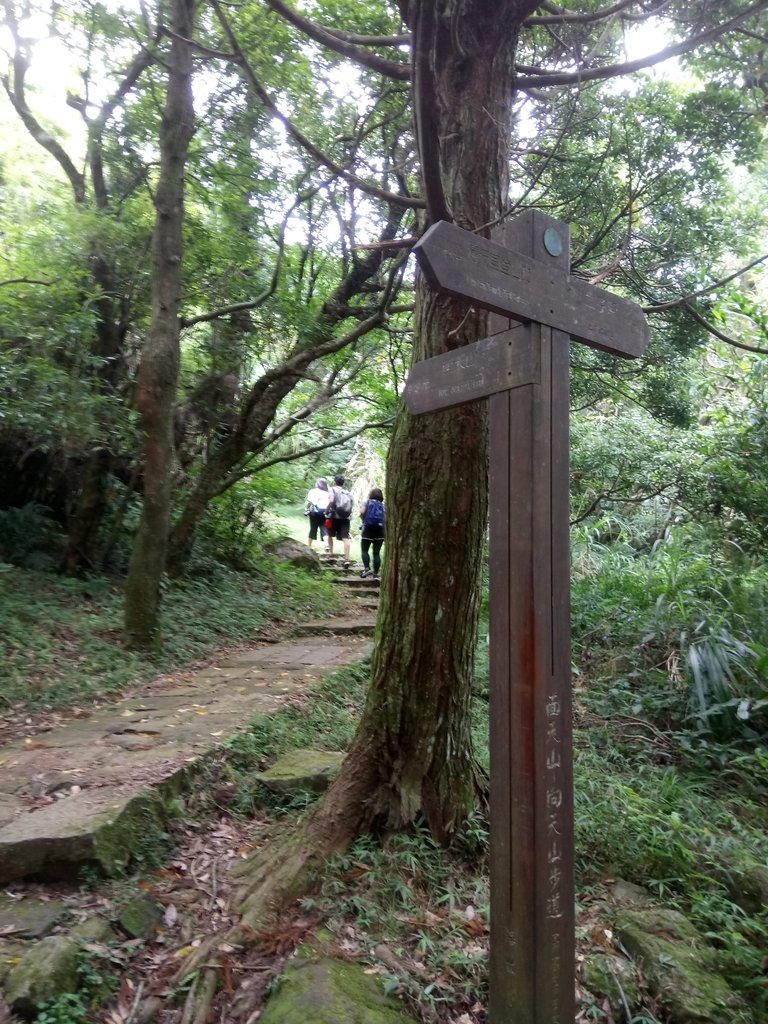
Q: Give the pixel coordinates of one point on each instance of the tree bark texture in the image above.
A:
(158, 373)
(415, 730)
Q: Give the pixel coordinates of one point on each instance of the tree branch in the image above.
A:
(28, 280)
(338, 42)
(547, 78)
(15, 90)
(616, 496)
(719, 334)
(425, 113)
(297, 135)
(559, 16)
(334, 442)
(674, 303)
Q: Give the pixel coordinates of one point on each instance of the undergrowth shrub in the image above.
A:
(687, 839)
(29, 537)
(61, 638)
(675, 634)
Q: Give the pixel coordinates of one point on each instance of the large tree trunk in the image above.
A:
(158, 374)
(416, 724)
(412, 753)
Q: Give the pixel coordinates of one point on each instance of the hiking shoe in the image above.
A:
(364, 573)
(375, 577)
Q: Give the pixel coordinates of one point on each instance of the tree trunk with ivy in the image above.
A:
(412, 754)
(158, 373)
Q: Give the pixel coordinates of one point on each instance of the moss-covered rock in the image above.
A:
(48, 970)
(330, 992)
(11, 953)
(627, 894)
(292, 552)
(679, 967)
(94, 929)
(747, 884)
(303, 770)
(29, 918)
(140, 917)
(101, 830)
(612, 978)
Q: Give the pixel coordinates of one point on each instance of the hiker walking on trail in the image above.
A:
(339, 510)
(373, 515)
(315, 507)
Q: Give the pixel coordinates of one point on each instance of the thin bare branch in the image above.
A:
(382, 424)
(28, 280)
(549, 78)
(662, 306)
(207, 51)
(395, 243)
(560, 16)
(719, 334)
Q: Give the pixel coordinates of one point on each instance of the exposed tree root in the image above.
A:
(200, 998)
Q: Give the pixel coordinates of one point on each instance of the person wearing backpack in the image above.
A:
(373, 515)
(340, 507)
(315, 505)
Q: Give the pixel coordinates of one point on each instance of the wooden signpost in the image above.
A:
(523, 276)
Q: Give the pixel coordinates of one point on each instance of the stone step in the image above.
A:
(359, 582)
(337, 627)
(363, 601)
(340, 569)
(88, 792)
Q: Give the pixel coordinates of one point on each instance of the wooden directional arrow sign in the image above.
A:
(457, 262)
(500, 363)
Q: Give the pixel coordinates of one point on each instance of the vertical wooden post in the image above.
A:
(532, 896)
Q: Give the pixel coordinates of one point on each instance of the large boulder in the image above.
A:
(290, 552)
(331, 992)
(680, 967)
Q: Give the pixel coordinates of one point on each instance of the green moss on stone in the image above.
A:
(331, 992)
(11, 953)
(47, 971)
(303, 770)
(121, 838)
(30, 918)
(611, 978)
(680, 967)
(140, 917)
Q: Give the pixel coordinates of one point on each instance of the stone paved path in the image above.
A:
(87, 791)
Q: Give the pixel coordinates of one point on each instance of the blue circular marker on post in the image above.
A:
(553, 243)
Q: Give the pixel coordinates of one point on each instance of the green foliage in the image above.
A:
(61, 642)
(670, 634)
(67, 1009)
(681, 836)
(25, 533)
(423, 902)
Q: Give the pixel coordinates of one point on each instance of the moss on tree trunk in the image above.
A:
(158, 373)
